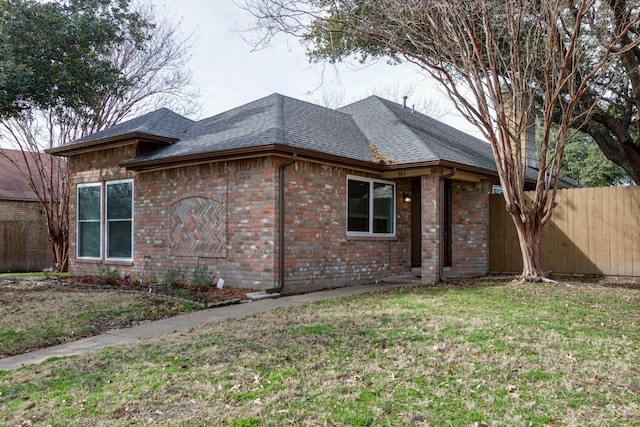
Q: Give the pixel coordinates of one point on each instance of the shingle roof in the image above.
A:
(369, 130)
(13, 167)
(275, 119)
(163, 123)
(408, 137)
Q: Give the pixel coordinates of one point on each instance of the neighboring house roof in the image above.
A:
(13, 183)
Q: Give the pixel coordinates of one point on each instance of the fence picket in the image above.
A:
(592, 231)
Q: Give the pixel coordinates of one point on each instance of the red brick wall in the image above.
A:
(95, 166)
(246, 190)
(319, 253)
(470, 229)
(431, 230)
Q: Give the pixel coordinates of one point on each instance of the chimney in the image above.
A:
(530, 153)
(527, 144)
(404, 101)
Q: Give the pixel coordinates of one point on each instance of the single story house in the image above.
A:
(281, 194)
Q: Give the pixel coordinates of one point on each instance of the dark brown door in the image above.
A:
(446, 234)
(416, 223)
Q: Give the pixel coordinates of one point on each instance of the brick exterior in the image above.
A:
(470, 229)
(431, 230)
(319, 253)
(242, 197)
(11, 210)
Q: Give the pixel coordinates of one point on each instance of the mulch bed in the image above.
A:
(208, 296)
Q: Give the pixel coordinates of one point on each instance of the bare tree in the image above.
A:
(496, 60)
(154, 72)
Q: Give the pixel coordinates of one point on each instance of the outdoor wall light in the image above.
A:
(406, 197)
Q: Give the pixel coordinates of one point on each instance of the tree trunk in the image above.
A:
(529, 234)
(61, 257)
(59, 243)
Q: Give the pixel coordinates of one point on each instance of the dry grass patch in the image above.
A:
(37, 314)
(500, 354)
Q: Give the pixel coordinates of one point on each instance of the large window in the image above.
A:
(89, 216)
(119, 219)
(370, 207)
(111, 232)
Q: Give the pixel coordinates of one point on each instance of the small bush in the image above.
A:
(175, 277)
(109, 276)
(246, 422)
(202, 277)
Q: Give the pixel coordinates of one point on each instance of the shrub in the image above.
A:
(202, 277)
(109, 276)
(175, 277)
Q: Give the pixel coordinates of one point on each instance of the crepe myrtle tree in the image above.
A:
(92, 64)
(501, 62)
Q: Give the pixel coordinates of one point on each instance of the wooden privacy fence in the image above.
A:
(23, 246)
(592, 231)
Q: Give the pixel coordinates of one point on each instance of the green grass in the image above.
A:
(504, 355)
(35, 275)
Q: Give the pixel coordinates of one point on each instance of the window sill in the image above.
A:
(373, 237)
(118, 262)
(104, 261)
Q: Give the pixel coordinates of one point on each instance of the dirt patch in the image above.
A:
(627, 282)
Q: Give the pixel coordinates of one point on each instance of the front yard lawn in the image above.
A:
(40, 313)
(498, 354)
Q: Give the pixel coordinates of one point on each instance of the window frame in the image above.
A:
(107, 220)
(79, 221)
(104, 220)
(371, 214)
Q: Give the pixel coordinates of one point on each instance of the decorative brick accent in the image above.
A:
(198, 227)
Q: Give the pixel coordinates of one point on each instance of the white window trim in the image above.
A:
(106, 220)
(93, 184)
(369, 233)
(103, 219)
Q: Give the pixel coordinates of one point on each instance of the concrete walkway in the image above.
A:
(191, 320)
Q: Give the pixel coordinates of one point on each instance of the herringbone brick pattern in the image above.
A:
(198, 227)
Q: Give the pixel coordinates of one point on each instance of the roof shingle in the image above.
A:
(369, 130)
(409, 137)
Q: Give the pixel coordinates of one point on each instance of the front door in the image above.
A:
(416, 223)
(446, 233)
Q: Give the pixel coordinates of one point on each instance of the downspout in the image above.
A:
(281, 218)
(442, 178)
